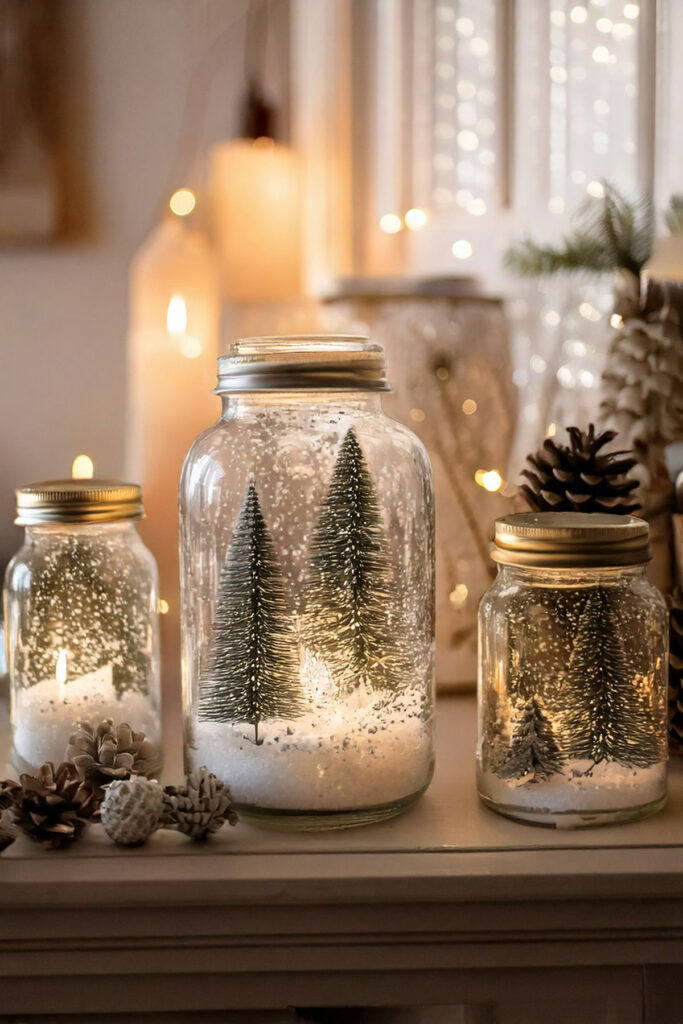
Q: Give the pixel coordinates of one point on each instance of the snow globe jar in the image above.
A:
(572, 673)
(307, 579)
(81, 618)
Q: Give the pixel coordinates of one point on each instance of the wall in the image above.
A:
(123, 76)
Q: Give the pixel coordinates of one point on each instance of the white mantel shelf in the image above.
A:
(447, 904)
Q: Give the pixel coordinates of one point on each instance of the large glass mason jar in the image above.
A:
(572, 673)
(307, 579)
(81, 618)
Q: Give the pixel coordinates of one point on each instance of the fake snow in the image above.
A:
(44, 718)
(337, 757)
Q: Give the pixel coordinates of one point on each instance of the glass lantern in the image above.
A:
(81, 618)
(573, 643)
(307, 579)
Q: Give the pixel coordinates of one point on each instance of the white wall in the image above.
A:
(125, 67)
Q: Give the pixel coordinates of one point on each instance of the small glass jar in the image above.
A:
(81, 618)
(573, 643)
(307, 582)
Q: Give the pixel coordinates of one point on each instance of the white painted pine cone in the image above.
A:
(131, 810)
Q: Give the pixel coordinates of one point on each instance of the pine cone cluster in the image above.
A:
(643, 380)
(104, 752)
(579, 477)
(675, 602)
(53, 807)
(199, 808)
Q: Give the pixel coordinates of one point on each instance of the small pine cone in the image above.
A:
(578, 478)
(131, 810)
(104, 752)
(675, 602)
(8, 830)
(199, 808)
(52, 808)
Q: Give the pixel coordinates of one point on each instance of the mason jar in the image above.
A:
(307, 588)
(573, 653)
(81, 618)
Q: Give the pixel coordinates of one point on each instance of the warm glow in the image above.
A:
(462, 249)
(82, 468)
(552, 430)
(458, 595)
(490, 479)
(415, 219)
(417, 415)
(182, 202)
(578, 15)
(616, 320)
(631, 11)
(163, 607)
(390, 223)
(176, 315)
(469, 406)
(191, 348)
(595, 189)
(62, 671)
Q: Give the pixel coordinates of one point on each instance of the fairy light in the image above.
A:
(415, 219)
(604, 25)
(462, 249)
(492, 480)
(595, 189)
(468, 140)
(589, 312)
(458, 595)
(538, 364)
(465, 26)
(600, 54)
(552, 430)
(631, 11)
(417, 415)
(82, 468)
(616, 320)
(390, 223)
(182, 202)
(163, 607)
(578, 15)
(469, 406)
(479, 47)
(477, 207)
(552, 318)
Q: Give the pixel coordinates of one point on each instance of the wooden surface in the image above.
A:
(447, 904)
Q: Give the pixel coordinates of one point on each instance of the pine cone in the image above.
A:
(53, 807)
(675, 602)
(131, 810)
(578, 478)
(8, 830)
(105, 752)
(199, 808)
(642, 382)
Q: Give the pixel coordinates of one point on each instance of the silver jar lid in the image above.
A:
(571, 540)
(78, 501)
(295, 362)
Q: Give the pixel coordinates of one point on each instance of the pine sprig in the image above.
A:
(612, 233)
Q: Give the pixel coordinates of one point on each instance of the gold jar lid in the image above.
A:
(78, 501)
(313, 362)
(571, 540)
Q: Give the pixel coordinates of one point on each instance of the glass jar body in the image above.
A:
(572, 696)
(307, 583)
(82, 637)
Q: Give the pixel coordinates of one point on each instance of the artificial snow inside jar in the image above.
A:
(307, 576)
(572, 673)
(81, 618)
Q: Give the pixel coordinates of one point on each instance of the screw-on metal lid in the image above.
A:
(310, 362)
(572, 540)
(78, 501)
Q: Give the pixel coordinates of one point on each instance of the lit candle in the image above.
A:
(174, 318)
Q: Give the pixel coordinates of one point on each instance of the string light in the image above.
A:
(458, 595)
(552, 318)
(589, 312)
(552, 430)
(163, 607)
(631, 11)
(604, 25)
(415, 219)
(578, 15)
(538, 364)
(390, 223)
(600, 54)
(417, 415)
(82, 468)
(468, 140)
(462, 249)
(469, 406)
(616, 320)
(477, 207)
(595, 189)
(182, 202)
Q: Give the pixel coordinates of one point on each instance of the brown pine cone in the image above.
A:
(104, 752)
(675, 602)
(578, 478)
(8, 830)
(52, 808)
(199, 808)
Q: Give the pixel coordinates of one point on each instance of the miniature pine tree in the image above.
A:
(534, 749)
(254, 663)
(351, 616)
(607, 719)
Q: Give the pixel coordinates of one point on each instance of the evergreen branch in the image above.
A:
(673, 215)
(578, 253)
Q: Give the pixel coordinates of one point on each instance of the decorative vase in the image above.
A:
(81, 617)
(573, 673)
(307, 570)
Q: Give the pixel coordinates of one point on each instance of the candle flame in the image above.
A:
(176, 316)
(82, 468)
